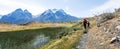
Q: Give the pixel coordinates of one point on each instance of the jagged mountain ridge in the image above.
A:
(20, 16)
(17, 17)
(54, 15)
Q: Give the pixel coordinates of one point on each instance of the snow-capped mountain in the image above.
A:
(20, 16)
(17, 17)
(0, 16)
(55, 15)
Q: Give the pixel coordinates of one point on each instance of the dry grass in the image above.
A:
(13, 27)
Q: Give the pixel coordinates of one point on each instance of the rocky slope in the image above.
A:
(105, 36)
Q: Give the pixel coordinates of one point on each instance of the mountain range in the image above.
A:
(20, 16)
(54, 15)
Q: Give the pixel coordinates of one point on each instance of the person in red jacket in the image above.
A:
(85, 23)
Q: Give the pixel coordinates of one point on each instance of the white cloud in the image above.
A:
(7, 6)
(106, 7)
(65, 1)
(68, 10)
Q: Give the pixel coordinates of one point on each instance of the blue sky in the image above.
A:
(78, 8)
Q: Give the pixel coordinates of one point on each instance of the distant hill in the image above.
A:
(55, 15)
(17, 17)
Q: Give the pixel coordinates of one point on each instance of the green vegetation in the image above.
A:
(60, 37)
(66, 42)
(17, 38)
(69, 41)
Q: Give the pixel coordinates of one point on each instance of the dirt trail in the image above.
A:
(82, 43)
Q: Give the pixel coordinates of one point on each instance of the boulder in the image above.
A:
(115, 39)
(117, 27)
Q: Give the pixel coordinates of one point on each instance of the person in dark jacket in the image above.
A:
(85, 23)
(88, 24)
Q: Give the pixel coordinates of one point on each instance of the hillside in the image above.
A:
(104, 36)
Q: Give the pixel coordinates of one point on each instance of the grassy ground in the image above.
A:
(17, 38)
(20, 36)
(66, 42)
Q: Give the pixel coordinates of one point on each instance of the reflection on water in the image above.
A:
(40, 40)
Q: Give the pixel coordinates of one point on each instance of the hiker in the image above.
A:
(85, 23)
(88, 24)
